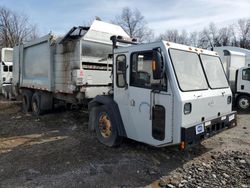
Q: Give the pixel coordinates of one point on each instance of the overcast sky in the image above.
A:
(60, 15)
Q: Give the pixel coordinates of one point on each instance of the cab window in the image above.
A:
(121, 71)
(10, 68)
(246, 74)
(5, 68)
(141, 71)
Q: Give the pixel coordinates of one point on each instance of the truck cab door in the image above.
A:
(146, 105)
(243, 80)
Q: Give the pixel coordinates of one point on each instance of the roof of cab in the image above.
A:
(172, 45)
(189, 48)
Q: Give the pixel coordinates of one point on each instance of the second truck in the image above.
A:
(236, 64)
(6, 66)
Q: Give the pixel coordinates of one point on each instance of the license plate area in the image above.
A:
(199, 128)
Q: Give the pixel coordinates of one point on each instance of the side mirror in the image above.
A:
(157, 65)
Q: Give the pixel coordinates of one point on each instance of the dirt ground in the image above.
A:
(56, 150)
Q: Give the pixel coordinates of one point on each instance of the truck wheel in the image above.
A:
(105, 128)
(10, 96)
(6, 95)
(26, 98)
(36, 104)
(243, 102)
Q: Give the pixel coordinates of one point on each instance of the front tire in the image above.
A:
(243, 102)
(105, 128)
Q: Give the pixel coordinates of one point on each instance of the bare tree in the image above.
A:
(208, 37)
(234, 41)
(183, 37)
(243, 28)
(15, 28)
(225, 36)
(193, 39)
(212, 36)
(173, 35)
(134, 23)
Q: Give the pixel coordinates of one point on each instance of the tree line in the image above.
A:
(16, 28)
(211, 36)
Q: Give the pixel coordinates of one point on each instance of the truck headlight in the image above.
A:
(187, 108)
(229, 99)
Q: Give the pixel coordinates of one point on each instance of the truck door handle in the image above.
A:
(132, 102)
(197, 96)
(242, 87)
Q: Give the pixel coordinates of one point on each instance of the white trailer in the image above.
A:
(163, 94)
(236, 64)
(6, 66)
(73, 68)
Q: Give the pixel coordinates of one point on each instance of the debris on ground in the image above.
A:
(225, 169)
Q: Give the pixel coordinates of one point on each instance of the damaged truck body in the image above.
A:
(158, 93)
(73, 68)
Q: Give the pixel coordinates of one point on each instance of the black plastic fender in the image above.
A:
(108, 101)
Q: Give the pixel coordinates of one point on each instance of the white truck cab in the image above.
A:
(242, 88)
(6, 66)
(236, 65)
(163, 94)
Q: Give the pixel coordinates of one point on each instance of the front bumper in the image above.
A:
(192, 135)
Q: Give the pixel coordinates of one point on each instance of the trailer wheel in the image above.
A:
(11, 96)
(36, 104)
(105, 127)
(26, 98)
(6, 94)
(243, 102)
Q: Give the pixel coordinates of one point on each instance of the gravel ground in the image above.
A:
(56, 150)
(225, 169)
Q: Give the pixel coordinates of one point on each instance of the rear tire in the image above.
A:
(36, 104)
(26, 98)
(105, 128)
(6, 95)
(243, 103)
(11, 96)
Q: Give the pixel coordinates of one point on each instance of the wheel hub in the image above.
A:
(105, 125)
(244, 103)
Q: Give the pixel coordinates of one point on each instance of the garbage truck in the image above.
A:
(6, 66)
(70, 69)
(236, 64)
(157, 93)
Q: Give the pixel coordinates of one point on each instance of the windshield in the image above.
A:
(8, 56)
(188, 70)
(214, 71)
